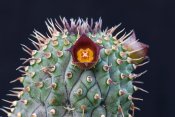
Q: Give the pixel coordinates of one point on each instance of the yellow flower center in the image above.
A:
(85, 55)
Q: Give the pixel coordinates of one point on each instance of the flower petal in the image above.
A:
(85, 53)
(136, 49)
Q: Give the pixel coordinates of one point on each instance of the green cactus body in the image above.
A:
(59, 82)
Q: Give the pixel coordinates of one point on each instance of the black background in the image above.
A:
(152, 20)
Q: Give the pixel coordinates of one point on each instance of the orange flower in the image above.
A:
(85, 52)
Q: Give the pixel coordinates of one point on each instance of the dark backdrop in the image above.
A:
(153, 21)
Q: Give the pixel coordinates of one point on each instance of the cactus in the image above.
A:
(78, 70)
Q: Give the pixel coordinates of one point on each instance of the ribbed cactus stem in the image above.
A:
(78, 70)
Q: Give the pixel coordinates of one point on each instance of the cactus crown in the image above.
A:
(81, 26)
